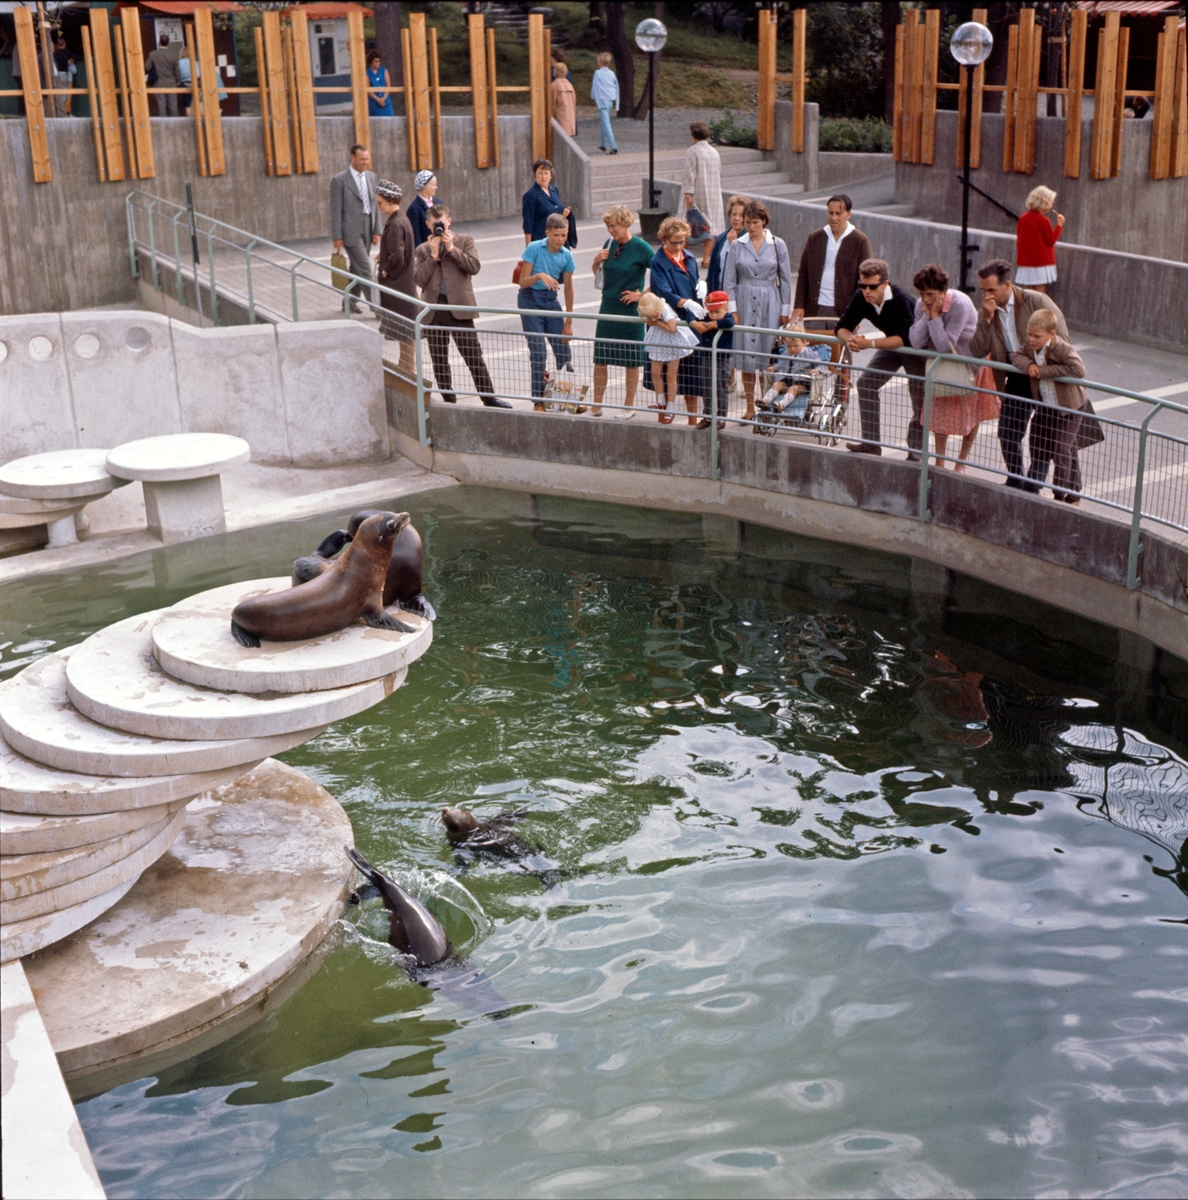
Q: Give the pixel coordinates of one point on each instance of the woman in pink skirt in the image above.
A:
(945, 321)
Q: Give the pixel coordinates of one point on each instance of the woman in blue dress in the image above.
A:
(541, 200)
(379, 96)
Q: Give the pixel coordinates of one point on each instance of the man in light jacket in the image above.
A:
(355, 221)
(604, 91)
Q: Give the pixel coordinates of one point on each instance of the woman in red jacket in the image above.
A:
(1035, 242)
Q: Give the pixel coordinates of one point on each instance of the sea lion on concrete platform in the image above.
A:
(403, 583)
(348, 589)
(413, 929)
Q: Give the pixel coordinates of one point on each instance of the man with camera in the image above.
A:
(445, 265)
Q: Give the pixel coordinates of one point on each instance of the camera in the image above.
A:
(438, 229)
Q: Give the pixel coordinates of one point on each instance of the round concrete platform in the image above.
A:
(46, 509)
(192, 641)
(59, 475)
(245, 894)
(39, 722)
(114, 679)
(55, 899)
(30, 787)
(175, 457)
(19, 938)
(31, 833)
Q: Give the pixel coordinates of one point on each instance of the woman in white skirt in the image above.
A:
(1035, 241)
(667, 342)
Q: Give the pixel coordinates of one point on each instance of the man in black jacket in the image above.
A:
(890, 310)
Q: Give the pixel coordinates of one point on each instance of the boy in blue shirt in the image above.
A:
(546, 267)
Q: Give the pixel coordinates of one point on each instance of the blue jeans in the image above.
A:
(537, 324)
(606, 139)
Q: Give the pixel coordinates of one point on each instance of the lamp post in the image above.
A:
(650, 36)
(970, 45)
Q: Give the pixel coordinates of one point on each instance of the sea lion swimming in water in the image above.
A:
(491, 837)
(413, 929)
(402, 584)
(349, 588)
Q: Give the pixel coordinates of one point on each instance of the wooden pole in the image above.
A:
(122, 82)
(548, 91)
(109, 117)
(47, 61)
(799, 17)
(265, 118)
(359, 76)
(478, 90)
(212, 115)
(912, 82)
(1119, 99)
(93, 98)
(420, 75)
(767, 81)
(897, 103)
(291, 93)
(1076, 93)
(195, 99)
(1024, 101)
(494, 84)
(536, 70)
(1009, 100)
(1164, 105)
(305, 124)
(31, 85)
(1179, 138)
(1104, 97)
(141, 142)
(410, 108)
(435, 84)
(928, 86)
(272, 67)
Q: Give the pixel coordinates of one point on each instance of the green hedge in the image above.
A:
(866, 136)
(726, 133)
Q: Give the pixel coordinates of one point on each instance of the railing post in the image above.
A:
(177, 277)
(922, 513)
(1136, 547)
(715, 460)
(247, 262)
(422, 424)
(293, 287)
(131, 235)
(153, 246)
(214, 299)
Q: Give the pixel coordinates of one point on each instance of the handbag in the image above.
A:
(952, 375)
(339, 264)
(699, 228)
(1089, 433)
(571, 239)
(599, 278)
(516, 272)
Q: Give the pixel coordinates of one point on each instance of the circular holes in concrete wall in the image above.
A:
(87, 346)
(137, 338)
(40, 348)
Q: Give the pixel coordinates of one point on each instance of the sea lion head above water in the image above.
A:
(458, 822)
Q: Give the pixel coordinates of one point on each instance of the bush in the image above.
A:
(726, 133)
(866, 136)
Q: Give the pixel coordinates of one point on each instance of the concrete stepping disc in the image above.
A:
(66, 895)
(192, 642)
(39, 722)
(113, 678)
(30, 833)
(58, 475)
(30, 787)
(19, 938)
(253, 884)
(24, 874)
(46, 509)
(177, 456)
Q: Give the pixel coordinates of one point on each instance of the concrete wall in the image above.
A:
(301, 395)
(1129, 212)
(1142, 300)
(838, 167)
(65, 243)
(572, 166)
(800, 168)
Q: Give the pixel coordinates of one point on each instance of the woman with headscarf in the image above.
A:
(426, 185)
(396, 254)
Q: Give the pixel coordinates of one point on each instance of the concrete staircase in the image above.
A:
(616, 179)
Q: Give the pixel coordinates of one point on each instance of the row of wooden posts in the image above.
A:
(917, 49)
(114, 62)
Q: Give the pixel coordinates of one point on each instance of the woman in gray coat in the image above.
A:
(758, 279)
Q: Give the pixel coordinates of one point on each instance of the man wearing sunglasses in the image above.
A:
(891, 311)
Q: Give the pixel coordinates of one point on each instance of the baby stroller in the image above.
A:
(822, 412)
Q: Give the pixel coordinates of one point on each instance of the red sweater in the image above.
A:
(1035, 240)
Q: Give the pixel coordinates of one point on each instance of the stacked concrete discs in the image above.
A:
(104, 744)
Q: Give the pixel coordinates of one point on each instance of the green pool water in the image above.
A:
(853, 880)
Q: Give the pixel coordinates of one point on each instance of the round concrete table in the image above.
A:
(183, 496)
(63, 481)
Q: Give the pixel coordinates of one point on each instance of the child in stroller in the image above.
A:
(794, 367)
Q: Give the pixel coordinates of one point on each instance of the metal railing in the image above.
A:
(1128, 469)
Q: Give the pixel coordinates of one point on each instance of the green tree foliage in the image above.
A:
(844, 53)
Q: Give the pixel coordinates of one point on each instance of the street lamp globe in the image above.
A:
(970, 44)
(650, 35)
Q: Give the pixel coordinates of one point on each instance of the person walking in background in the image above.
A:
(828, 274)
(1035, 241)
(891, 311)
(541, 201)
(355, 222)
(701, 185)
(604, 91)
(945, 321)
(425, 184)
(445, 266)
(734, 228)
(397, 271)
(64, 70)
(545, 268)
(559, 57)
(758, 279)
(379, 87)
(1002, 333)
(623, 264)
(164, 60)
(1057, 422)
(184, 80)
(564, 99)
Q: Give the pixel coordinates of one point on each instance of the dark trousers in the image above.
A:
(1014, 415)
(705, 373)
(445, 325)
(875, 377)
(1053, 439)
(359, 256)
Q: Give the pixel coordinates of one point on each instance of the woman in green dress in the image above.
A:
(623, 261)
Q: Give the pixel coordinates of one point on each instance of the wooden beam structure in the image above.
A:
(31, 85)
(1179, 138)
(305, 123)
(897, 103)
(109, 115)
(479, 94)
(1101, 148)
(1119, 100)
(930, 63)
(140, 141)
(208, 88)
(1076, 93)
(767, 78)
(537, 84)
(121, 59)
(272, 69)
(1009, 99)
(359, 75)
(195, 99)
(418, 68)
(265, 103)
(93, 100)
(1164, 101)
(799, 18)
(493, 81)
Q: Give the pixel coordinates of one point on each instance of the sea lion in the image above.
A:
(491, 836)
(349, 588)
(403, 583)
(413, 929)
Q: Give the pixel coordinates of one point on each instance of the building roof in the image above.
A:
(324, 12)
(180, 8)
(1131, 8)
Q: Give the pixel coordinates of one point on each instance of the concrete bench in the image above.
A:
(183, 496)
(51, 489)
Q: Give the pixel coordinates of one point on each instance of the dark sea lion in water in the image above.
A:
(413, 929)
(403, 582)
(348, 589)
(489, 837)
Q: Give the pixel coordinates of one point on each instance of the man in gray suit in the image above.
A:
(355, 222)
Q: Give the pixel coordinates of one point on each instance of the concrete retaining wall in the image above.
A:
(1142, 300)
(1129, 212)
(572, 166)
(838, 167)
(65, 243)
(302, 395)
(800, 168)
